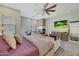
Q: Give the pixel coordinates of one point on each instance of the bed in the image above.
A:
(47, 46)
(33, 45)
(27, 48)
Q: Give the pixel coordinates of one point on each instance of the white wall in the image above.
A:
(73, 15)
(11, 12)
(28, 24)
(50, 26)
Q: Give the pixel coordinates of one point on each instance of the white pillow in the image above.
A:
(1, 29)
(9, 38)
(0, 33)
(18, 38)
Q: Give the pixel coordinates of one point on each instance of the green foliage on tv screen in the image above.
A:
(60, 24)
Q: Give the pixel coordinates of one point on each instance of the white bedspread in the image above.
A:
(44, 44)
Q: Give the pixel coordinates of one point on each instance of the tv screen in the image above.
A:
(60, 24)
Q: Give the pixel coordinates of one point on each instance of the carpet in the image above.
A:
(65, 52)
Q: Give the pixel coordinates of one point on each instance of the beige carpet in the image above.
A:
(63, 52)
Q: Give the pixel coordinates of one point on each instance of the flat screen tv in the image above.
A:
(60, 24)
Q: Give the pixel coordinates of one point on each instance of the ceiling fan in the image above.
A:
(47, 8)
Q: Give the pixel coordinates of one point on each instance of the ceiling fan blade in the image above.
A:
(52, 6)
(51, 10)
(47, 12)
(45, 5)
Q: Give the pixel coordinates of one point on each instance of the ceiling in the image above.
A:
(34, 10)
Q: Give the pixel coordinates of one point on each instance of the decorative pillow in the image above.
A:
(18, 38)
(9, 38)
(54, 36)
(0, 33)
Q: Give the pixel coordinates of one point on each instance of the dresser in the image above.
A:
(61, 35)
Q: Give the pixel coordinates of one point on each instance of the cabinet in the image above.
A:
(61, 35)
(64, 36)
(41, 25)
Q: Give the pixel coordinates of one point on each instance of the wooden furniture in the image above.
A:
(60, 35)
(64, 36)
(41, 25)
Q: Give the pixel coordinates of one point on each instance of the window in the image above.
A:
(8, 23)
(74, 28)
